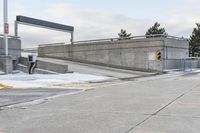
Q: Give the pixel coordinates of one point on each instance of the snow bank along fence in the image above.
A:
(135, 53)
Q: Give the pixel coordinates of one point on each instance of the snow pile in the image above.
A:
(177, 71)
(22, 80)
(26, 54)
(1, 72)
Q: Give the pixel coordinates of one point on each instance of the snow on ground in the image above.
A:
(22, 80)
(171, 73)
(177, 71)
(25, 54)
(1, 72)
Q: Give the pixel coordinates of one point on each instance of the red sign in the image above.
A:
(6, 28)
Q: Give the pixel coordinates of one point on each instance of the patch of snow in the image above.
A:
(1, 72)
(177, 71)
(169, 74)
(23, 80)
(25, 54)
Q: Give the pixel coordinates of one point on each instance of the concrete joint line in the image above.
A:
(168, 104)
(156, 113)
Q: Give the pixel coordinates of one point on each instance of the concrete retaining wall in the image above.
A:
(175, 50)
(43, 66)
(59, 68)
(138, 54)
(14, 46)
(6, 64)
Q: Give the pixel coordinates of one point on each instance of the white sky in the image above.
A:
(94, 19)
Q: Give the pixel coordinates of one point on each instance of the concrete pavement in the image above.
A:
(159, 105)
(14, 97)
(95, 69)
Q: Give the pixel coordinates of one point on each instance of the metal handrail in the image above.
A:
(130, 38)
(117, 39)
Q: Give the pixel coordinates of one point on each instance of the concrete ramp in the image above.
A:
(92, 69)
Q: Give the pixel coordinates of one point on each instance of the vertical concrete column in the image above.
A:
(6, 64)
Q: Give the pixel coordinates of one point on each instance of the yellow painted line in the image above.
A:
(73, 86)
(112, 84)
(2, 86)
(86, 86)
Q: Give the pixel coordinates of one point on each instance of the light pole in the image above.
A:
(6, 26)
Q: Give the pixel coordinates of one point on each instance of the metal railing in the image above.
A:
(190, 63)
(115, 39)
(184, 64)
(10, 36)
(129, 38)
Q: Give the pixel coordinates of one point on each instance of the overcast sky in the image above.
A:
(95, 19)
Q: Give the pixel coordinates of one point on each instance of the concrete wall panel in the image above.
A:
(132, 54)
(14, 52)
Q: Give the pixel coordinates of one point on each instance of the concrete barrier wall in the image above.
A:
(14, 46)
(130, 54)
(24, 61)
(136, 54)
(42, 66)
(175, 50)
(52, 66)
(6, 64)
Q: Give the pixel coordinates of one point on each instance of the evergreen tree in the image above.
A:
(123, 35)
(155, 30)
(194, 41)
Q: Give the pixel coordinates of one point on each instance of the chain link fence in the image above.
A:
(185, 64)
